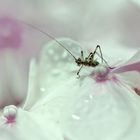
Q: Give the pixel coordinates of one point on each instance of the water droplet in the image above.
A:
(50, 51)
(64, 55)
(42, 89)
(75, 117)
(90, 96)
(86, 101)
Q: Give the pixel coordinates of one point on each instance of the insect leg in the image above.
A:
(88, 56)
(82, 55)
(95, 51)
(79, 71)
(100, 52)
(101, 55)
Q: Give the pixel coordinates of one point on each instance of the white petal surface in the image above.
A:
(83, 108)
(30, 126)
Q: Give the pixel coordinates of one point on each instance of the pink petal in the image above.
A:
(10, 33)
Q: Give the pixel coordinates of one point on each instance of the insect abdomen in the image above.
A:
(90, 64)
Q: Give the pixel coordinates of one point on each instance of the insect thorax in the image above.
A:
(90, 63)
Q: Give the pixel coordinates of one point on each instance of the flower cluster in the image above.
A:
(100, 104)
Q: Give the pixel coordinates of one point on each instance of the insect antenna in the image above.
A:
(47, 34)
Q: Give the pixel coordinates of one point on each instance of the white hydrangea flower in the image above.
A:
(88, 109)
(101, 104)
(85, 108)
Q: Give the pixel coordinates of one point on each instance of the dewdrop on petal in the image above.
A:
(10, 113)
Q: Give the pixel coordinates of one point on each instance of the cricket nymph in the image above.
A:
(89, 60)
